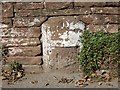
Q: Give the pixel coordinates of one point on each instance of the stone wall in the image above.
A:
(48, 33)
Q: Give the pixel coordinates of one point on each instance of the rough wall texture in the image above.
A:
(49, 33)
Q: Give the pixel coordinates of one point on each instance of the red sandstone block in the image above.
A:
(105, 10)
(24, 51)
(31, 32)
(28, 21)
(26, 60)
(58, 5)
(7, 10)
(7, 21)
(111, 28)
(20, 41)
(27, 13)
(28, 5)
(99, 19)
(81, 11)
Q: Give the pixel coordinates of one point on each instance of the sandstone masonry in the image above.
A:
(48, 33)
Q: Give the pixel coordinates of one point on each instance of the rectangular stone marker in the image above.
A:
(61, 41)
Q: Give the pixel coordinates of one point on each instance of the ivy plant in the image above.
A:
(100, 49)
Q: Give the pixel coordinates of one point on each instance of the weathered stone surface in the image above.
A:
(20, 41)
(60, 32)
(26, 60)
(64, 58)
(28, 5)
(96, 4)
(113, 19)
(63, 31)
(27, 13)
(7, 10)
(105, 10)
(21, 32)
(28, 21)
(7, 21)
(66, 12)
(58, 5)
(53, 12)
(88, 4)
(99, 19)
(111, 28)
(114, 4)
(24, 51)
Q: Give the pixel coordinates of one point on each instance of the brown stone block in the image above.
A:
(115, 4)
(28, 6)
(92, 19)
(99, 19)
(89, 4)
(46, 12)
(28, 21)
(83, 4)
(111, 28)
(105, 10)
(24, 51)
(26, 13)
(26, 60)
(77, 11)
(96, 4)
(7, 21)
(7, 10)
(20, 41)
(113, 19)
(58, 5)
(30, 32)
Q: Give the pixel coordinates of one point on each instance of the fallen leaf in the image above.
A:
(19, 74)
(65, 80)
(34, 82)
(46, 84)
(80, 83)
(100, 83)
(94, 75)
(33, 72)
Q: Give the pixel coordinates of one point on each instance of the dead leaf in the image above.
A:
(19, 74)
(100, 83)
(34, 82)
(80, 83)
(94, 75)
(46, 84)
(33, 72)
(65, 80)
